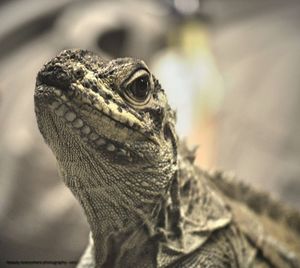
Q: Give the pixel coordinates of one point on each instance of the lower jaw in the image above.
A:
(62, 108)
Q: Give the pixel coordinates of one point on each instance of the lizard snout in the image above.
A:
(54, 75)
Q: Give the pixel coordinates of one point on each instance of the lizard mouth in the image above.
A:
(65, 88)
(77, 108)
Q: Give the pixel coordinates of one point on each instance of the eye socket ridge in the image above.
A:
(138, 87)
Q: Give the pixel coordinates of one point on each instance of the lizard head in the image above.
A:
(109, 125)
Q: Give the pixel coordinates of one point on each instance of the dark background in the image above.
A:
(230, 68)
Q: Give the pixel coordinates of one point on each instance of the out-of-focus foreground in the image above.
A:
(229, 67)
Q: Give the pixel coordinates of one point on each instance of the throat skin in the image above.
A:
(123, 223)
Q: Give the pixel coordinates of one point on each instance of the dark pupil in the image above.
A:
(139, 88)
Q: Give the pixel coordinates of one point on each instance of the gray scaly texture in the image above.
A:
(112, 131)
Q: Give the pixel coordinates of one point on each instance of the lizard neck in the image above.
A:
(123, 227)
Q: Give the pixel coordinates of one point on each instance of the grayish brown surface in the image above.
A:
(257, 46)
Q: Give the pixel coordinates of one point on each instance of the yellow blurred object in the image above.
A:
(190, 75)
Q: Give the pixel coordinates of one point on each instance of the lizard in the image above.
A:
(112, 131)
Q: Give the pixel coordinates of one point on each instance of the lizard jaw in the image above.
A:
(65, 108)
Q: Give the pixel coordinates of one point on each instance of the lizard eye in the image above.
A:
(138, 88)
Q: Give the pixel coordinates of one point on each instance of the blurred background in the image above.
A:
(230, 69)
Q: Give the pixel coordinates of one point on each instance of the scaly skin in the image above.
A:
(112, 132)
